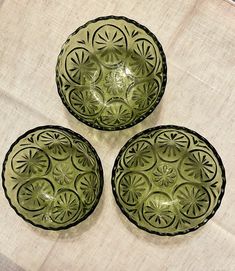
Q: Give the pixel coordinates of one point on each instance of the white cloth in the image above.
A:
(199, 41)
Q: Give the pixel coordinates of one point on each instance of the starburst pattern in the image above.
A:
(199, 165)
(83, 157)
(80, 66)
(143, 58)
(116, 114)
(132, 187)
(145, 94)
(30, 161)
(194, 200)
(116, 82)
(139, 154)
(56, 143)
(63, 174)
(35, 195)
(110, 42)
(87, 184)
(164, 175)
(86, 102)
(157, 211)
(171, 145)
(65, 207)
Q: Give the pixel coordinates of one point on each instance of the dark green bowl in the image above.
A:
(52, 177)
(111, 73)
(168, 180)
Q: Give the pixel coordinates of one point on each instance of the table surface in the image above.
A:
(199, 41)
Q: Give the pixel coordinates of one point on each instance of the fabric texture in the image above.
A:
(198, 38)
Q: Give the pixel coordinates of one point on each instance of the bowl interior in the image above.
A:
(111, 73)
(52, 177)
(168, 180)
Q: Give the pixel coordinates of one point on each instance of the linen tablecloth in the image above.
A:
(198, 37)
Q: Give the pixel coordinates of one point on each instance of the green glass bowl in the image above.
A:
(168, 180)
(111, 73)
(52, 177)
